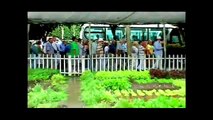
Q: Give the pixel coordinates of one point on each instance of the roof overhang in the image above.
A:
(107, 17)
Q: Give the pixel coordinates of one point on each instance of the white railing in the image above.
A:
(77, 65)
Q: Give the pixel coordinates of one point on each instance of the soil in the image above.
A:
(151, 86)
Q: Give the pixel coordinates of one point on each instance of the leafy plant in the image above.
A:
(41, 74)
(159, 102)
(58, 82)
(112, 89)
(102, 104)
(48, 105)
(47, 98)
(86, 75)
(123, 103)
(69, 31)
(131, 75)
(92, 97)
(116, 84)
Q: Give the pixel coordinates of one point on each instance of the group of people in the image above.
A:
(55, 46)
(101, 48)
(146, 49)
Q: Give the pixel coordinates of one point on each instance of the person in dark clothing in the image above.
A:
(112, 48)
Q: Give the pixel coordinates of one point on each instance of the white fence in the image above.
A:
(77, 65)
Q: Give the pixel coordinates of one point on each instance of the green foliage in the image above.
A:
(48, 105)
(69, 31)
(138, 103)
(179, 82)
(123, 103)
(136, 75)
(39, 97)
(142, 81)
(40, 74)
(58, 82)
(92, 97)
(116, 84)
(100, 105)
(132, 75)
(108, 97)
(160, 102)
(87, 74)
(56, 32)
(112, 89)
(166, 102)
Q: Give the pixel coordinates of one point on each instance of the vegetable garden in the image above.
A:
(133, 89)
(46, 88)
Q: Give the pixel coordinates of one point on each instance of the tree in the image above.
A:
(70, 30)
(38, 31)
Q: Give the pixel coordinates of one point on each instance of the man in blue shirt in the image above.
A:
(62, 47)
(158, 51)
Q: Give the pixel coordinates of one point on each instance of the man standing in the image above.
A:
(49, 50)
(94, 47)
(55, 45)
(158, 51)
(74, 51)
(100, 54)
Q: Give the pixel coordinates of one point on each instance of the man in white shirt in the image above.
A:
(94, 47)
(56, 48)
(158, 51)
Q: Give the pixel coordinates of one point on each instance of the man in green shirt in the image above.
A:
(74, 51)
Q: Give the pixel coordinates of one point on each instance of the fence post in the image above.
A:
(144, 62)
(173, 63)
(29, 60)
(34, 61)
(83, 64)
(69, 65)
(169, 63)
(177, 62)
(181, 58)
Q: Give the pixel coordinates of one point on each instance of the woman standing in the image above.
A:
(141, 56)
(134, 55)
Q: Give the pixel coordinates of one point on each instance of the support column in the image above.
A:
(28, 42)
(62, 32)
(165, 42)
(90, 48)
(128, 33)
(90, 43)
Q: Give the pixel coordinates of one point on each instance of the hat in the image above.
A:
(100, 40)
(159, 37)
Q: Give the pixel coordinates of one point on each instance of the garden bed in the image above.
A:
(131, 89)
(45, 84)
(46, 88)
